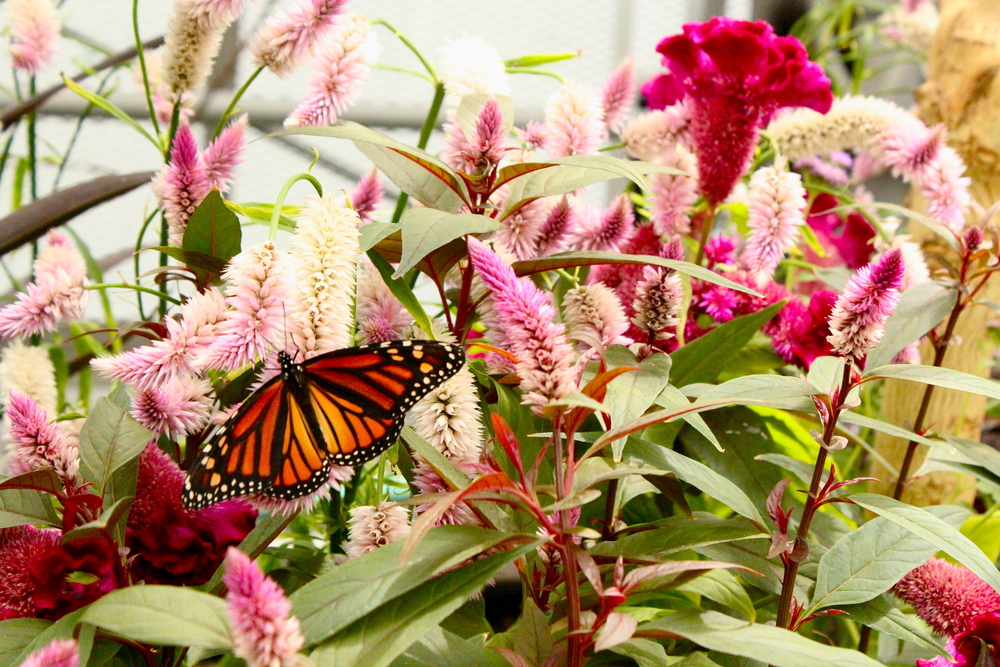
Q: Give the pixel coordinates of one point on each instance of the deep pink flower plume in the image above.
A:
(40, 445)
(183, 184)
(618, 93)
(367, 195)
(559, 227)
(225, 152)
(289, 36)
(34, 29)
(479, 154)
(859, 316)
(57, 653)
(736, 74)
(611, 229)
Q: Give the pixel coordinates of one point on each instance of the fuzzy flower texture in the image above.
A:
(737, 74)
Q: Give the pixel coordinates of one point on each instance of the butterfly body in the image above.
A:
(340, 408)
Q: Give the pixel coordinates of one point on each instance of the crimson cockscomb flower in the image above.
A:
(373, 527)
(777, 211)
(39, 444)
(289, 36)
(263, 631)
(57, 593)
(57, 653)
(169, 543)
(34, 28)
(367, 195)
(736, 75)
(544, 355)
(859, 316)
(19, 547)
(802, 330)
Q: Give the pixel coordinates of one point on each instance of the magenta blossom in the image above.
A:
(737, 75)
(859, 316)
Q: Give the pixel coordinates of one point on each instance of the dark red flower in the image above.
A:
(737, 74)
(19, 547)
(72, 575)
(849, 238)
(803, 329)
(170, 544)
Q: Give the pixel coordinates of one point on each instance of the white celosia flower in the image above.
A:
(325, 251)
(194, 35)
(29, 370)
(674, 194)
(595, 312)
(373, 527)
(469, 65)
(777, 211)
(574, 121)
(657, 301)
(449, 418)
(653, 135)
(914, 27)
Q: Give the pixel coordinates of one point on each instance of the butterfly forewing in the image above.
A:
(345, 407)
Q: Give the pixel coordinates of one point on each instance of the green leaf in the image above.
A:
(568, 260)
(109, 439)
(702, 359)
(370, 234)
(765, 387)
(540, 59)
(26, 507)
(645, 652)
(922, 523)
(166, 615)
(110, 521)
(375, 639)
(920, 309)
(108, 106)
(334, 600)
(213, 229)
(940, 377)
(563, 175)
(630, 395)
(722, 587)
(529, 637)
(440, 648)
(261, 213)
(64, 628)
(881, 615)
(15, 635)
(676, 534)
(193, 259)
(401, 291)
(672, 397)
(697, 475)
(41, 480)
(425, 230)
(469, 107)
(418, 174)
(772, 645)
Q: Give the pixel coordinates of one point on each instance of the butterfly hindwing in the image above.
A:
(344, 407)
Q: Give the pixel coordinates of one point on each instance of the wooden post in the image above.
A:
(963, 92)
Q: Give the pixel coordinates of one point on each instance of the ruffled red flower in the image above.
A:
(850, 238)
(737, 74)
(803, 329)
(171, 544)
(72, 575)
(19, 547)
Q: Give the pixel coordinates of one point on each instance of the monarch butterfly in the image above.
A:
(344, 407)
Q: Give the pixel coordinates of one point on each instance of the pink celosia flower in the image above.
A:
(169, 544)
(427, 480)
(594, 312)
(225, 152)
(373, 527)
(611, 230)
(19, 547)
(833, 171)
(291, 34)
(533, 135)
(292, 507)
(522, 229)
(623, 278)
(380, 315)
(802, 330)
(182, 184)
(657, 301)
(858, 319)
(777, 210)
(175, 409)
(259, 288)
(618, 92)
(448, 418)
(655, 134)
(479, 154)
(366, 197)
(342, 65)
(264, 633)
(737, 74)
(674, 194)
(574, 122)
(539, 343)
(946, 189)
(557, 230)
(58, 294)
(34, 28)
(57, 653)
(40, 445)
(719, 250)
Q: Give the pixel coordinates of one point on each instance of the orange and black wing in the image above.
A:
(267, 447)
(360, 395)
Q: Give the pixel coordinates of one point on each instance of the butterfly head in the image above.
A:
(286, 362)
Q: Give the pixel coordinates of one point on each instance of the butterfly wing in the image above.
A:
(268, 443)
(360, 395)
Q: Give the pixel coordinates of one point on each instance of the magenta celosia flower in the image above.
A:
(169, 544)
(427, 480)
(858, 319)
(719, 303)
(182, 184)
(736, 74)
(557, 230)
(618, 92)
(19, 547)
(292, 507)
(40, 445)
(674, 194)
(225, 152)
(719, 250)
(848, 241)
(180, 407)
(655, 134)
(34, 28)
(366, 197)
(539, 343)
(56, 593)
(479, 154)
(777, 210)
(57, 653)
(802, 330)
(264, 633)
(259, 287)
(373, 527)
(58, 294)
(611, 230)
(290, 34)
(345, 57)
(623, 278)
(574, 122)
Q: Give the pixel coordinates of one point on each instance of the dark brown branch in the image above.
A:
(31, 221)
(14, 113)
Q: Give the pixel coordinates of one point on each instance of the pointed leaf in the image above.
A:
(15, 635)
(920, 309)
(41, 480)
(213, 229)
(722, 587)
(110, 438)
(425, 230)
(676, 534)
(401, 291)
(941, 377)
(26, 507)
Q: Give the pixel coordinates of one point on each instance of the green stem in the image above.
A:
(236, 98)
(410, 46)
(142, 66)
(135, 258)
(280, 202)
(425, 136)
(32, 144)
(706, 230)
